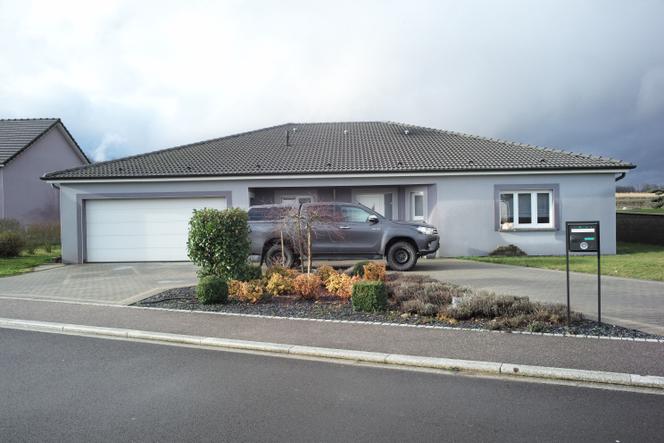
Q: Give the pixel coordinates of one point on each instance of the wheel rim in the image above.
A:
(401, 256)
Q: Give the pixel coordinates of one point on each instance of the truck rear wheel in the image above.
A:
(273, 256)
(401, 256)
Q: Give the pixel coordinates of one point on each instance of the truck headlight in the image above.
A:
(426, 230)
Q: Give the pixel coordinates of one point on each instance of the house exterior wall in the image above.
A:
(462, 207)
(465, 213)
(27, 198)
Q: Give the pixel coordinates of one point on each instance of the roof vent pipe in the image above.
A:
(287, 138)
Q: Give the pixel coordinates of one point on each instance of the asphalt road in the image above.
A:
(66, 388)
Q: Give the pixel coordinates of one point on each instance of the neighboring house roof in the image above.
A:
(339, 148)
(16, 135)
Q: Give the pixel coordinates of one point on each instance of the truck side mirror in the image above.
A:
(372, 219)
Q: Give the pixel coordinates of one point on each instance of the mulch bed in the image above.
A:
(330, 308)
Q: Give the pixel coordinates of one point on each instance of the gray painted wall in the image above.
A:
(27, 198)
(462, 207)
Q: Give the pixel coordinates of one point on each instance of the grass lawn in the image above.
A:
(25, 263)
(633, 260)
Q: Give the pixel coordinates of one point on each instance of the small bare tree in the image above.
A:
(301, 227)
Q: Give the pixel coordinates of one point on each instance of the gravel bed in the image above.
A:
(333, 309)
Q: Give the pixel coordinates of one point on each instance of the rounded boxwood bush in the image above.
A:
(369, 296)
(212, 289)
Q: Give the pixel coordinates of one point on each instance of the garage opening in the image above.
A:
(134, 230)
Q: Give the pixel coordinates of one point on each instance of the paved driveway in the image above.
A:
(627, 302)
(115, 283)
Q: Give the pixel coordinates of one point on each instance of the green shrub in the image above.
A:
(212, 289)
(251, 272)
(42, 235)
(369, 296)
(507, 251)
(278, 269)
(358, 268)
(219, 242)
(279, 284)
(536, 326)
(11, 244)
(9, 224)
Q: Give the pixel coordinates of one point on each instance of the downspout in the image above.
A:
(621, 176)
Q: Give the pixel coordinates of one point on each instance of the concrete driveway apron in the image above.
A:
(626, 302)
(112, 283)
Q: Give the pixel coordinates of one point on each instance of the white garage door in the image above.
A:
(141, 229)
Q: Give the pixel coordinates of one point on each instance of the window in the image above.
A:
(353, 214)
(417, 205)
(526, 210)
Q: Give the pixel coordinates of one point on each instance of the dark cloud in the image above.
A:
(130, 77)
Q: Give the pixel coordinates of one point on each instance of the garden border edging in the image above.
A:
(492, 368)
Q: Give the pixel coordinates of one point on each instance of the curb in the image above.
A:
(492, 368)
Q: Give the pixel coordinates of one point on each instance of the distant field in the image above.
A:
(634, 200)
(643, 210)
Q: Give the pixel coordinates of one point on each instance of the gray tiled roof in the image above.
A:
(339, 148)
(16, 135)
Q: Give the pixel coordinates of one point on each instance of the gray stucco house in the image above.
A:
(481, 193)
(28, 149)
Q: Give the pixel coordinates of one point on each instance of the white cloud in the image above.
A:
(100, 153)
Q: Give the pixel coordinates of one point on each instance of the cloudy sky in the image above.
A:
(129, 77)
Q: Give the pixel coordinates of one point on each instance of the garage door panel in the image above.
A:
(141, 229)
(136, 229)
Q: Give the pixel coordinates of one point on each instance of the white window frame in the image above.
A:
(533, 210)
(411, 204)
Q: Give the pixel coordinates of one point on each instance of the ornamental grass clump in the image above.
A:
(307, 286)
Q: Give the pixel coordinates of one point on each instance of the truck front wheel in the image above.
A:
(401, 256)
(273, 256)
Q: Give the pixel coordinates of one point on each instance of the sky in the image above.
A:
(129, 77)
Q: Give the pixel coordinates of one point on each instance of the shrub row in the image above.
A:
(15, 238)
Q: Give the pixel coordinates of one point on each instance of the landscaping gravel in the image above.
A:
(185, 299)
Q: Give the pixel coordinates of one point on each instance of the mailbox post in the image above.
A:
(584, 237)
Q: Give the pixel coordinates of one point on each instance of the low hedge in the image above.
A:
(212, 289)
(369, 296)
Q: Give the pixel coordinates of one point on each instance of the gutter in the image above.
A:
(330, 175)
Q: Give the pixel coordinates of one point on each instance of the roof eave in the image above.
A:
(607, 168)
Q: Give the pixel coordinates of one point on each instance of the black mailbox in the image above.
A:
(583, 236)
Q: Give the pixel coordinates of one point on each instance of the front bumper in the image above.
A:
(429, 246)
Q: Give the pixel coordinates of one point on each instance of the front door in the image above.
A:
(356, 235)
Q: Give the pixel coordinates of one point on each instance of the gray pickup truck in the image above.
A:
(343, 231)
